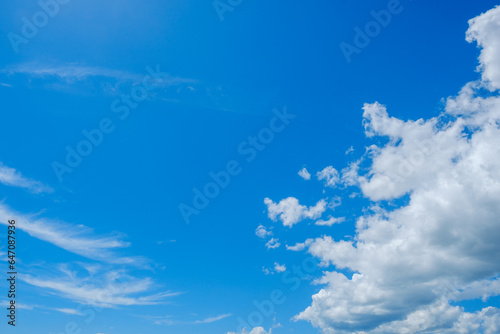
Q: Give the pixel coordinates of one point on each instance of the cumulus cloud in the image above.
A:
(11, 177)
(410, 264)
(273, 243)
(262, 232)
(330, 175)
(484, 30)
(279, 268)
(290, 212)
(303, 173)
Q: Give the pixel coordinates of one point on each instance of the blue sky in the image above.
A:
(103, 245)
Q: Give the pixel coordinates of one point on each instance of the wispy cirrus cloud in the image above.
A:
(75, 78)
(13, 178)
(76, 239)
(77, 72)
(111, 289)
(169, 320)
(82, 79)
(6, 303)
(70, 311)
(213, 319)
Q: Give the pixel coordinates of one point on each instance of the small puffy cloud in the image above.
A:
(304, 174)
(290, 212)
(335, 202)
(279, 267)
(273, 243)
(300, 246)
(255, 330)
(262, 232)
(331, 221)
(330, 175)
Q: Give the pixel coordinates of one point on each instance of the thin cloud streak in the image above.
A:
(77, 72)
(76, 239)
(213, 319)
(13, 178)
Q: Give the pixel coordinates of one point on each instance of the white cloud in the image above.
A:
(68, 71)
(273, 243)
(303, 173)
(255, 330)
(76, 72)
(300, 246)
(484, 30)
(76, 239)
(6, 303)
(11, 177)
(112, 288)
(330, 175)
(446, 319)
(262, 232)
(479, 289)
(212, 319)
(335, 202)
(290, 212)
(279, 267)
(68, 311)
(331, 221)
(442, 244)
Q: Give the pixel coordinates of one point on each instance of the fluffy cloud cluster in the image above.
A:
(290, 212)
(410, 264)
(280, 268)
(330, 175)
